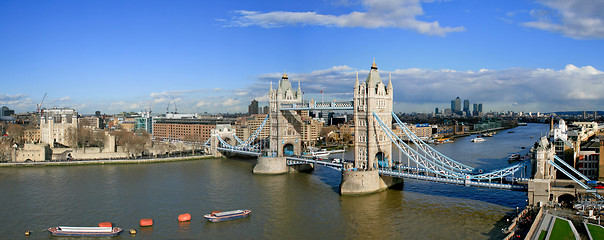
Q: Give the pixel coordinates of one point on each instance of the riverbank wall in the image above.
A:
(104, 161)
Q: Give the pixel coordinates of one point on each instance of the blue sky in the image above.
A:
(216, 56)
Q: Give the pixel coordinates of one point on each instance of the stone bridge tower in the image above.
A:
(284, 125)
(539, 188)
(373, 148)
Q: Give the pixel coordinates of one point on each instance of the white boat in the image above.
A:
(477, 139)
(320, 153)
(85, 231)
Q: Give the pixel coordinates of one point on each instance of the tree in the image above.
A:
(133, 143)
(85, 137)
(15, 132)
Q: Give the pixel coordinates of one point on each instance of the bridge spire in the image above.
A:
(390, 83)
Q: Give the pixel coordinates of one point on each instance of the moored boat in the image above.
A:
(218, 216)
(514, 157)
(85, 231)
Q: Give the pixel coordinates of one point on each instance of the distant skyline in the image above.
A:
(114, 56)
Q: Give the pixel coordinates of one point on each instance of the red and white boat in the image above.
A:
(218, 216)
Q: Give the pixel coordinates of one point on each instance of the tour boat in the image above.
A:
(320, 153)
(218, 216)
(85, 231)
(477, 139)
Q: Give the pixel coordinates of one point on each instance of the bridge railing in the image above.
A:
(344, 105)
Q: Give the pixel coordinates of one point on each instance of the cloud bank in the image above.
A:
(379, 14)
(421, 90)
(415, 90)
(579, 19)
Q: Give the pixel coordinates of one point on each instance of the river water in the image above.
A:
(288, 206)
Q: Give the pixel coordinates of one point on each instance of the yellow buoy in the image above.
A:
(27, 233)
(132, 231)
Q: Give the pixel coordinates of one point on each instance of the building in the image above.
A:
(31, 135)
(422, 130)
(589, 159)
(457, 109)
(186, 129)
(54, 124)
(247, 126)
(466, 107)
(92, 122)
(253, 108)
(6, 112)
(144, 122)
(310, 129)
(33, 152)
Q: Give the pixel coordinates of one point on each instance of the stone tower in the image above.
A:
(282, 130)
(372, 146)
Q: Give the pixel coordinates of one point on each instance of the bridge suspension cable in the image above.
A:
(244, 144)
(424, 147)
(438, 167)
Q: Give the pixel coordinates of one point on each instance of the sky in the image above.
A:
(217, 56)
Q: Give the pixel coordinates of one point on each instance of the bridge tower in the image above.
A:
(539, 188)
(284, 127)
(372, 147)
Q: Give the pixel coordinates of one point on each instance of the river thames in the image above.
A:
(288, 206)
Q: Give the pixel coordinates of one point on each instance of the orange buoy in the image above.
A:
(106, 224)
(146, 222)
(184, 217)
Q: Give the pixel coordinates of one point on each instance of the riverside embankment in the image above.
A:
(104, 161)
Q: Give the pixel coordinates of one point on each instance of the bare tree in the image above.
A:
(16, 132)
(85, 137)
(133, 143)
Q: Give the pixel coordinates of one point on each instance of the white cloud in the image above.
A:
(579, 19)
(230, 102)
(379, 14)
(415, 90)
(516, 89)
(202, 104)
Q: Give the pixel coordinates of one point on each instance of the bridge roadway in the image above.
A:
(292, 160)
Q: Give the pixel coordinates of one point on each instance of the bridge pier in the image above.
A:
(366, 182)
(270, 165)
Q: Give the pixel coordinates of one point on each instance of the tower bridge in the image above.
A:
(373, 167)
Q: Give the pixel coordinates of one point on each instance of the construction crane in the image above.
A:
(39, 106)
(168, 107)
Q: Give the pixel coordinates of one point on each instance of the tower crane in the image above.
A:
(39, 106)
